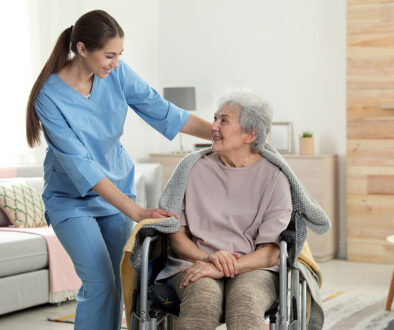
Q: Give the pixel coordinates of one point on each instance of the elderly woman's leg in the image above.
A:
(248, 296)
(201, 303)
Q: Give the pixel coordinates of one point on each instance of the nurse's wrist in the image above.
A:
(138, 213)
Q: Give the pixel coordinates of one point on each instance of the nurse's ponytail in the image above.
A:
(59, 58)
(93, 29)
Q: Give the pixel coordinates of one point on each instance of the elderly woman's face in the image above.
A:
(226, 130)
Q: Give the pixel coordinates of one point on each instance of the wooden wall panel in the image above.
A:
(376, 153)
(380, 185)
(357, 178)
(370, 130)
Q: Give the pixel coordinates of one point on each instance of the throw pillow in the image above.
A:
(22, 204)
(4, 221)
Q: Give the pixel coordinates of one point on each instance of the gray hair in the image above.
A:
(256, 114)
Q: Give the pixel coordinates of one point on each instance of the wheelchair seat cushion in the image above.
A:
(165, 297)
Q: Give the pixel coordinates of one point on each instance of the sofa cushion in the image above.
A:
(22, 203)
(153, 174)
(4, 221)
(21, 252)
(139, 181)
(23, 291)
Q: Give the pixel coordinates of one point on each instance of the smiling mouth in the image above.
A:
(216, 138)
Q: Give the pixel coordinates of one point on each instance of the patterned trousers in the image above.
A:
(244, 298)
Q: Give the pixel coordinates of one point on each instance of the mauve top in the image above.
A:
(233, 209)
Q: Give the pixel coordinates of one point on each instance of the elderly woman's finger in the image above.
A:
(226, 270)
(188, 279)
(212, 259)
(235, 264)
(184, 270)
(197, 277)
(230, 266)
(184, 281)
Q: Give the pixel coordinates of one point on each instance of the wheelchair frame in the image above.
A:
(142, 318)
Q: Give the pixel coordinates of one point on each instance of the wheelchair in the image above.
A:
(156, 306)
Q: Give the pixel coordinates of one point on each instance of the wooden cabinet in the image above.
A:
(318, 173)
(169, 162)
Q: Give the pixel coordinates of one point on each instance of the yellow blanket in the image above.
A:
(128, 273)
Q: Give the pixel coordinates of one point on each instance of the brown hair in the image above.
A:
(93, 29)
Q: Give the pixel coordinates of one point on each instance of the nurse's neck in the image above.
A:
(77, 75)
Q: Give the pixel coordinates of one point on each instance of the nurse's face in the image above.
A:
(102, 61)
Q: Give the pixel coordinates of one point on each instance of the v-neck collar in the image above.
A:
(61, 82)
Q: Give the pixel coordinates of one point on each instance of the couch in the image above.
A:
(24, 277)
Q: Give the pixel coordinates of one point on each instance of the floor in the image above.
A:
(340, 277)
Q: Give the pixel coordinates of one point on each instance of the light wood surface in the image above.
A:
(370, 130)
(169, 162)
(318, 173)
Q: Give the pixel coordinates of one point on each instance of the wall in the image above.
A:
(370, 127)
(16, 80)
(290, 52)
(40, 24)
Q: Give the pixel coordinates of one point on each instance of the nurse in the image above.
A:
(81, 103)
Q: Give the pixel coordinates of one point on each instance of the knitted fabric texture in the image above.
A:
(309, 213)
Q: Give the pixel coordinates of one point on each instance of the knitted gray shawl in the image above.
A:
(309, 213)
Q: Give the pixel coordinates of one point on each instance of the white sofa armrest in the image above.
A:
(152, 179)
(153, 174)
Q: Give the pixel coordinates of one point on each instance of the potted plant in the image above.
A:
(307, 146)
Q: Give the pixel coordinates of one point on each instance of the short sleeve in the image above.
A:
(82, 170)
(165, 117)
(277, 216)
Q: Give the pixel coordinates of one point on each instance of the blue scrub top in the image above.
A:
(83, 139)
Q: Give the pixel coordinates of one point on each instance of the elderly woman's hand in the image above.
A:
(197, 270)
(225, 262)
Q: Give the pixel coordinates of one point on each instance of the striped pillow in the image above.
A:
(22, 204)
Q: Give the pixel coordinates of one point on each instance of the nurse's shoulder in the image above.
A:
(129, 79)
(47, 100)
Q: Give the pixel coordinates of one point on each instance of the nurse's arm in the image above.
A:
(107, 190)
(198, 127)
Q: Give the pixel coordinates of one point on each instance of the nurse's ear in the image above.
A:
(81, 49)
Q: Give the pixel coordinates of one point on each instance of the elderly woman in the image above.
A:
(225, 256)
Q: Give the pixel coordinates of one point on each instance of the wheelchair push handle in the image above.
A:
(148, 232)
(289, 236)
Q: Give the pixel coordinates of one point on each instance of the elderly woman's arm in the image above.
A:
(184, 247)
(265, 256)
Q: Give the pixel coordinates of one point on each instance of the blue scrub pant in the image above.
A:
(95, 245)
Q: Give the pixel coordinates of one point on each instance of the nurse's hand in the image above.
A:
(154, 214)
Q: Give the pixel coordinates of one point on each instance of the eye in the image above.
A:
(109, 57)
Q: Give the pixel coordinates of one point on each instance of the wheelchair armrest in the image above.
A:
(147, 232)
(289, 236)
